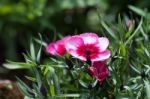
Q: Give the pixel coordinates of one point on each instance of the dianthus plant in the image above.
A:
(84, 66)
(76, 67)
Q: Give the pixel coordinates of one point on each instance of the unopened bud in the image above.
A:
(129, 23)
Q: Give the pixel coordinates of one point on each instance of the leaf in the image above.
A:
(24, 88)
(136, 70)
(17, 65)
(41, 42)
(38, 77)
(112, 34)
(120, 27)
(147, 88)
(31, 78)
(56, 84)
(26, 97)
(52, 90)
(52, 75)
(123, 51)
(83, 84)
(39, 54)
(68, 95)
(94, 83)
(37, 91)
(138, 11)
(32, 51)
(27, 59)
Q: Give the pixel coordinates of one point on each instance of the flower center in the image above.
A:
(88, 51)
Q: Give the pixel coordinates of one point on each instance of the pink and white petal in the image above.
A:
(76, 55)
(89, 38)
(51, 49)
(103, 43)
(60, 49)
(93, 71)
(101, 56)
(99, 64)
(73, 43)
(102, 76)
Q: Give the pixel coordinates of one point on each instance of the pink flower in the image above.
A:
(88, 45)
(58, 47)
(129, 23)
(99, 71)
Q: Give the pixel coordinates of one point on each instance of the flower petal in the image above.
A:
(102, 76)
(73, 43)
(98, 70)
(103, 43)
(93, 71)
(59, 46)
(89, 38)
(60, 49)
(101, 56)
(75, 54)
(51, 49)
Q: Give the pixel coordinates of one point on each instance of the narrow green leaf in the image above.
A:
(138, 10)
(68, 95)
(38, 77)
(37, 92)
(26, 97)
(94, 83)
(31, 78)
(41, 42)
(24, 91)
(52, 90)
(147, 88)
(120, 28)
(39, 54)
(32, 51)
(27, 59)
(56, 84)
(112, 34)
(52, 75)
(136, 70)
(39, 51)
(17, 66)
(83, 84)
(123, 51)
(24, 88)
(136, 31)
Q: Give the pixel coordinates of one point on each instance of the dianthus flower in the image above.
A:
(99, 71)
(58, 47)
(88, 46)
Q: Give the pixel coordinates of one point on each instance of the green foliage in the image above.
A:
(129, 64)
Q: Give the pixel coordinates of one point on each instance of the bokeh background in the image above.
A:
(21, 20)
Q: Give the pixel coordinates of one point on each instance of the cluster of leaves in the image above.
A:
(129, 66)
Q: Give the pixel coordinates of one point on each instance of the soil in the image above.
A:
(9, 90)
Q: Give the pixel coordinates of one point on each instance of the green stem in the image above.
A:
(56, 84)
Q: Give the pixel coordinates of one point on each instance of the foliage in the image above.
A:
(128, 66)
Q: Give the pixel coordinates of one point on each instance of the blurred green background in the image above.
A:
(22, 19)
